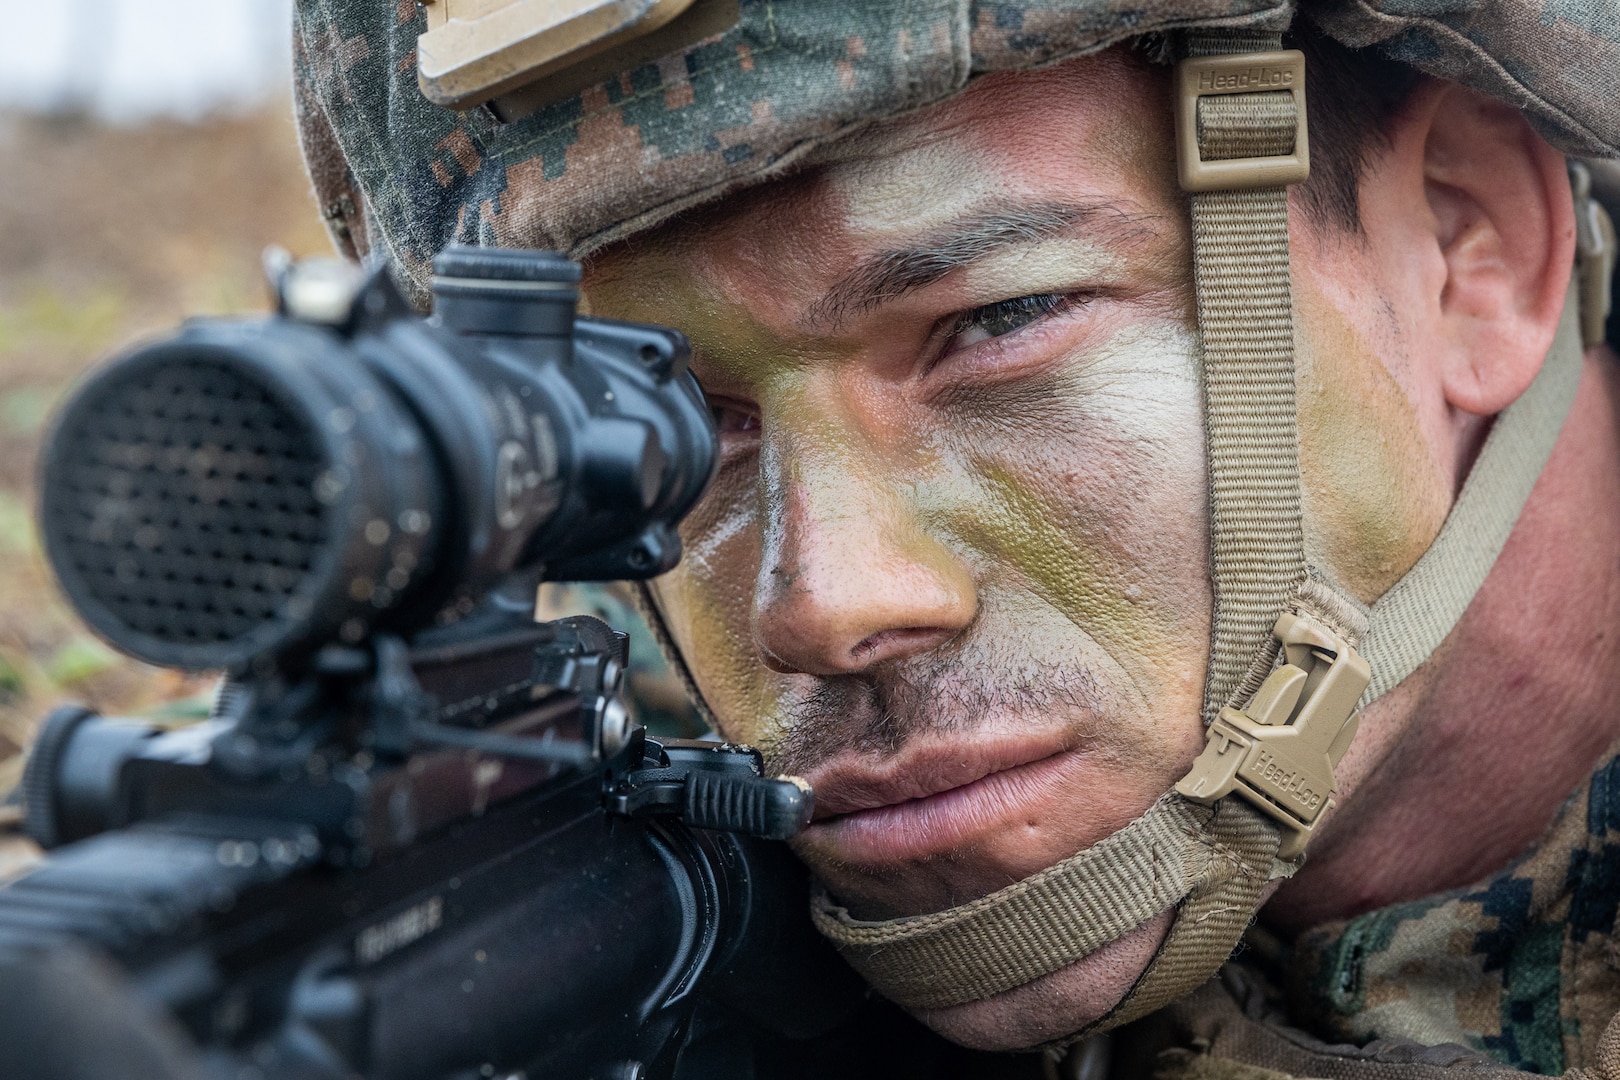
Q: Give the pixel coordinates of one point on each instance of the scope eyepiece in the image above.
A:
(246, 491)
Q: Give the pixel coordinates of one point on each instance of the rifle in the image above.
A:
(419, 837)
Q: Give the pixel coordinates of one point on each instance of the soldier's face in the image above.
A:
(953, 568)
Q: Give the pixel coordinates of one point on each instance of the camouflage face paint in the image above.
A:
(1375, 496)
(1038, 496)
(1058, 471)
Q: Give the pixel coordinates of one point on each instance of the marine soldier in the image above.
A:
(1099, 435)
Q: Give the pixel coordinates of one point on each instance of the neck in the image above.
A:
(1465, 764)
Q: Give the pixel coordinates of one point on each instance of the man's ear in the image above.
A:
(1497, 240)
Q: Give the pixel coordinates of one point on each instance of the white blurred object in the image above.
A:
(129, 60)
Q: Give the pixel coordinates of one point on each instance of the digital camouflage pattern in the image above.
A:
(1524, 968)
(401, 175)
(1517, 976)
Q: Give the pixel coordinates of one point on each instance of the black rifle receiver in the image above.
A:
(419, 838)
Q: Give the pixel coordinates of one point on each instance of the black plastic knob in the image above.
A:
(505, 291)
(41, 820)
(741, 803)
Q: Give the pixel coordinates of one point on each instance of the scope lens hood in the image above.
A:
(244, 492)
(241, 491)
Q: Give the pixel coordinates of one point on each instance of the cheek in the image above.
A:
(706, 601)
(1093, 502)
(1374, 494)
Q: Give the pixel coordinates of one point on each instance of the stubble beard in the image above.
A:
(955, 691)
(959, 692)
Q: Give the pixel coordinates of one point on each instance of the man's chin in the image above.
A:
(1054, 1005)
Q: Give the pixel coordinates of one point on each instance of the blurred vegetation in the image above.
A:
(106, 235)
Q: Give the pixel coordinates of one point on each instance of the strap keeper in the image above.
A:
(1239, 73)
(1595, 256)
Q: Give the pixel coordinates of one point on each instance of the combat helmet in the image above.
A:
(572, 125)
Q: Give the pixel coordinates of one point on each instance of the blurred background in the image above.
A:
(137, 61)
(147, 156)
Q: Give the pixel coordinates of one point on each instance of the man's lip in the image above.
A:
(849, 785)
(1005, 788)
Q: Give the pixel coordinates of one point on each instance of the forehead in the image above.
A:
(1095, 131)
(1092, 123)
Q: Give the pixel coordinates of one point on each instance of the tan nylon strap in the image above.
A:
(1212, 862)
(1176, 850)
(1411, 620)
(1244, 291)
(1246, 125)
(1245, 314)
(1210, 921)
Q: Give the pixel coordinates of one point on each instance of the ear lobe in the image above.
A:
(1505, 228)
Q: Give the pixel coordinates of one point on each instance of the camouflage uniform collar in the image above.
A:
(1523, 968)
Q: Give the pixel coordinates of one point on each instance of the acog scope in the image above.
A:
(244, 491)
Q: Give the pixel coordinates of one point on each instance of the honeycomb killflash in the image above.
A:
(247, 490)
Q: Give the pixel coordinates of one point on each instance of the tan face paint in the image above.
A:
(1048, 266)
(1112, 424)
(1375, 498)
(936, 184)
(1057, 472)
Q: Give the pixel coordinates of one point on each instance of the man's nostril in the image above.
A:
(867, 646)
(903, 641)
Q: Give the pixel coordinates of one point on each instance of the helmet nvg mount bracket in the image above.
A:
(520, 54)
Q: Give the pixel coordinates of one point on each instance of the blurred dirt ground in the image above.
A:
(107, 235)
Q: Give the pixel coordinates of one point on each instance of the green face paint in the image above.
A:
(941, 560)
(1088, 443)
(1374, 495)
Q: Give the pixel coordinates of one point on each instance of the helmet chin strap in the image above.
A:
(1285, 679)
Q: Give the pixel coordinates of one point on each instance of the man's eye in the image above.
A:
(1001, 318)
(729, 417)
(729, 414)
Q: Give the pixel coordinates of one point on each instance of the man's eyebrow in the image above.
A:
(889, 275)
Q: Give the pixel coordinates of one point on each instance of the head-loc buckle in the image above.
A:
(1279, 752)
(1208, 131)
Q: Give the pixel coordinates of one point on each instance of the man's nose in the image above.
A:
(850, 576)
